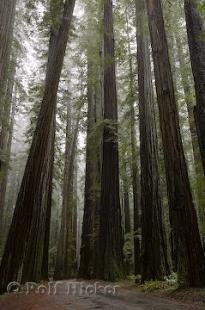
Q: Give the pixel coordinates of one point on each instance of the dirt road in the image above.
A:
(62, 299)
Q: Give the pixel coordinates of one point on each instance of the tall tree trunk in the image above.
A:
(126, 207)
(126, 218)
(136, 195)
(26, 236)
(5, 142)
(75, 216)
(189, 103)
(189, 99)
(110, 259)
(45, 260)
(4, 231)
(90, 229)
(61, 258)
(65, 253)
(7, 72)
(134, 166)
(154, 251)
(195, 29)
(13, 186)
(191, 267)
(34, 251)
(7, 14)
(125, 184)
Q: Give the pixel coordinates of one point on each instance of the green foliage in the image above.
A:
(53, 16)
(150, 286)
(202, 8)
(171, 279)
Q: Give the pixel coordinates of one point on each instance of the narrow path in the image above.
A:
(75, 299)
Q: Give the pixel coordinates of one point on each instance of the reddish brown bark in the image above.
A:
(134, 165)
(7, 13)
(90, 229)
(191, 267)
(154, 252)
(110, 260)
(195, 31)
(5, 142)
(26, 236)
(66, 251)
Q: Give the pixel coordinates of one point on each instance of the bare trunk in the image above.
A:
(90, 230)
(195, 30)
(126, 207)
(154, 253)
(191, 268)
(26, 236)
(45, 260)
(5, 143)
(189, 99)
(110, 259)
(65, 260)
(134, 167)
(7, 15)
(7, 12)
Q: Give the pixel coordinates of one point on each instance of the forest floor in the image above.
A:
(87, 295)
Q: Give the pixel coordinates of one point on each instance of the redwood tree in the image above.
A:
(90, 229)
(195, 30)
(110, 258)
(154, 252)
(65, 260)
(190, 101)
(191, 263)
(134, 162)
(25, 242)
(5, 140)
(7, 14)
